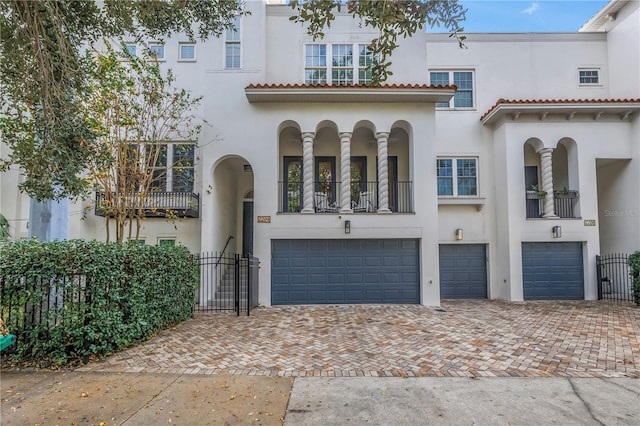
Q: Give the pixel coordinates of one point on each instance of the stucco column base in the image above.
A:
(346, 211)
(549, 216)
(384, 211)
(307, 211)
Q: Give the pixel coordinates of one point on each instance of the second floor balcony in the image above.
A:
(564, 204)
(364, 197)
(152, 204)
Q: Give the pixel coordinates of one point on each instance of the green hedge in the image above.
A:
(70, 300)
(634, 265)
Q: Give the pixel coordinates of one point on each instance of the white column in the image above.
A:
(547, 181)
(345, 172)
(383, 172)
(307, 167)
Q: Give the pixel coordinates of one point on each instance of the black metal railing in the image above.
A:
(228, 282)
(614, 277)
(155, 204)
(564, 205)
(364, 197)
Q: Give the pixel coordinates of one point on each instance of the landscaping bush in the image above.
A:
(70, 300)
(634, 265)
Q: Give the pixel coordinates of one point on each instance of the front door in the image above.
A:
(247, 228)
(292, 185)
(326, 177)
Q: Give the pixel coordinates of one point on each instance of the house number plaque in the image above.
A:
(589, 222)
(264, 219)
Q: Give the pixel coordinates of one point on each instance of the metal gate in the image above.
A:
(228, 282)
(614, 277)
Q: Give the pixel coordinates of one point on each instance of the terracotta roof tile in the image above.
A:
(348, 86)
(502, 101)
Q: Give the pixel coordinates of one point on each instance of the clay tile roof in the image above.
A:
(348, 86)
(502, 101)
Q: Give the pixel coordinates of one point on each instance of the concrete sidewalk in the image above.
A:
(88, 398)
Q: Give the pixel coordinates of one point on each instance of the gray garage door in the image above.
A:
(463, 271)
(344, 271)
(552, 271)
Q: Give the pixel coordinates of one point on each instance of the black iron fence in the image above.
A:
(614, 277)
(228, 282)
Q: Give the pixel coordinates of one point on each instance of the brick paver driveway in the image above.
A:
(463, 338)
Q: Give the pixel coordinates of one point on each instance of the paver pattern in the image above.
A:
(462, 338)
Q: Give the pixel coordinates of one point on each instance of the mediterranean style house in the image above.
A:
(499, 170)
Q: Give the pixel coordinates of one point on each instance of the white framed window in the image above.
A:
(232, 45)
(342, 64)
(334, 64)
(157, 51)
(462, 79)
(589, 76)
(457, 177)
(131, 48)
(187, 52)
(315, 64)
(174, 169)
(166, 242)
(365, 60)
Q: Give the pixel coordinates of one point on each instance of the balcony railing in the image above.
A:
(563, 204)
(364, 196)
(156, 204)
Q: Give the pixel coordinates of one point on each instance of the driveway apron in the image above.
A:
(479, 338)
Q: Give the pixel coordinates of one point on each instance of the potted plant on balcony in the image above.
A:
(565, 193)
(535, 193)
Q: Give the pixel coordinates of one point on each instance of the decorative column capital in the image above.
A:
(345, 136)
(308, 136)
(546, 151)
(382, 136)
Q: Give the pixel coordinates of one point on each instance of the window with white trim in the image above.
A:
(457, 177)
(167, 242)
(131, 48)
(463, 80)
(157, 51)
(176, 175)
(187, 52)
(315, 64)
(341, 69)
(589, 76)
(365, 61)
(342, 64)
(232, 46)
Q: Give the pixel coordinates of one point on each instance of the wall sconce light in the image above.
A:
(347, 226)
(458, 234)
(556, 231)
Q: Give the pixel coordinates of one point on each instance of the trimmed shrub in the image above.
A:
(70, 300)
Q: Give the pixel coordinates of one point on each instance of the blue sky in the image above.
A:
(527, 16)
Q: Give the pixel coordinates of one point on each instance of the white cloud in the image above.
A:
(534, 6)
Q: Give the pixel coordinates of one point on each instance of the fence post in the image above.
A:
(599, 275)
(248, 285)
(237, 284)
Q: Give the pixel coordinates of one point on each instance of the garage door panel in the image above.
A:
(552, 271)
(355, 262)
(347, 271)
(463, 271)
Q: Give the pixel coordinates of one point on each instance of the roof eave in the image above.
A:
(348, 95)
(625, 109)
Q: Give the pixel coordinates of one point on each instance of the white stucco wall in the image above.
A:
(510, 66)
